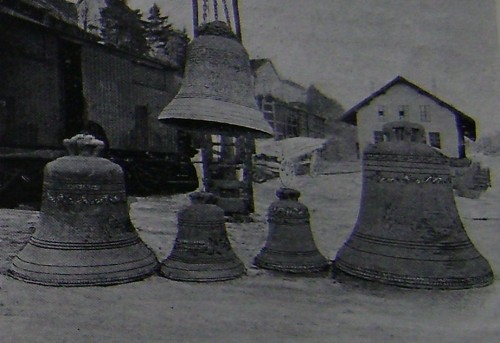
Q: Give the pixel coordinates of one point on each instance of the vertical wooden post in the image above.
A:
(249, 150)
(195, 18)
(206, 158)
(237, 26)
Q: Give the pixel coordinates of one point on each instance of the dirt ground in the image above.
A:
(261, 306)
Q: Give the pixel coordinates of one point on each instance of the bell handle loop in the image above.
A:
(404, 132)
(83, 145)
(202, 198)
(285, 193)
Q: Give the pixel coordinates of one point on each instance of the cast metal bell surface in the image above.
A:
(84, 236)
(202, 251)
(408, 232)
(217, 93)
(290, 245)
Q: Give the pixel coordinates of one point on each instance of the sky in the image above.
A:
(350, 48)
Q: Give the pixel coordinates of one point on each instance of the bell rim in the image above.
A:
(217, 116)
(415, 281)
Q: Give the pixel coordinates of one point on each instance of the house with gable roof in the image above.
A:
(446, 127)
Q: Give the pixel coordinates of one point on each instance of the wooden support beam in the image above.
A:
(195, 18)
(237, 24)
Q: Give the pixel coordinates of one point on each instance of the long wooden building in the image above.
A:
(58, 80)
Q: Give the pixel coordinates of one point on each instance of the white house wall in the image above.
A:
(441, 120)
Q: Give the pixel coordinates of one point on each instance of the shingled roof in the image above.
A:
(466, 123)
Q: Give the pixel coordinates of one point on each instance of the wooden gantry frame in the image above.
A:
(227, 162)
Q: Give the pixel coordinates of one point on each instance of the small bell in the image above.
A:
(290, 245)
(408, 231)
(217, 94)
(202, 251)
(84, 236)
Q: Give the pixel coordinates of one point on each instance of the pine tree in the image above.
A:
(176, 48)
(165, 42)
(122, 27)
(158, 31)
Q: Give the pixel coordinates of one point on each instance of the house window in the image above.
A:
(425, 116)
(435, 139)
(381, 113)
(378, 136)
(403, 111)
(268, 108)
(292, 129)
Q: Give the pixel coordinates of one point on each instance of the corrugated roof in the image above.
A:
(466, 123)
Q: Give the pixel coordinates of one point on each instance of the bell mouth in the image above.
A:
(215, 117)
(213, 128)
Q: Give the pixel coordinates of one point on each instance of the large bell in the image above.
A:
(84, 236)
(217, 94)
(290, 245)
(202, 252)
(408, 231)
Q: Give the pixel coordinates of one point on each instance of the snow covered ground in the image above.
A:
(261, 306)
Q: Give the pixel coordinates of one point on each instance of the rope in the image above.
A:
(226, 11)
(205, 11)
(216, 10)
(196, 14)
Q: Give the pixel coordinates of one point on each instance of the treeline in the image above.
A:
(126, 28)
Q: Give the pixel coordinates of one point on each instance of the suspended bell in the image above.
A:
(202, 252)
(290, 245)
(217, 93)
(408, 231)
(84, 236)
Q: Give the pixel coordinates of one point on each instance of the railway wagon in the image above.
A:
(57, 80)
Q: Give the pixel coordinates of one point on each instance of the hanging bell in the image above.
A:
(84, 236)
(408, 231)
(290, 245)
(217, 93)
(202, 252)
